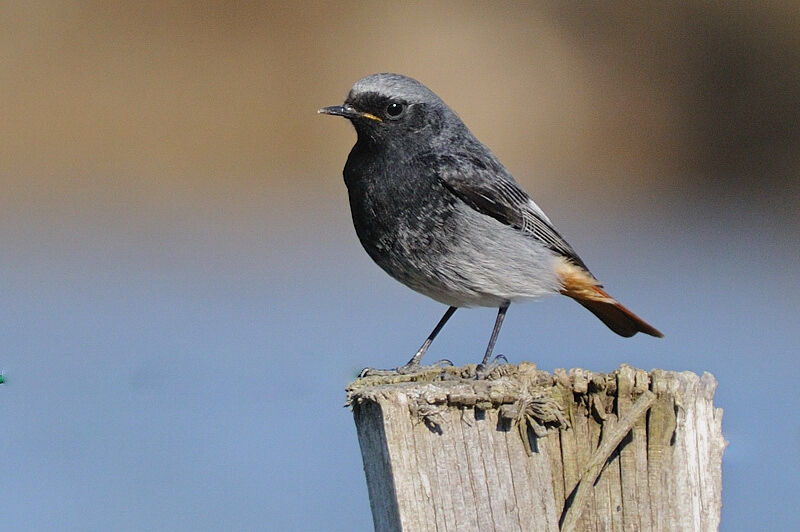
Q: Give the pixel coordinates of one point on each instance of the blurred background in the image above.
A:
(183, 298)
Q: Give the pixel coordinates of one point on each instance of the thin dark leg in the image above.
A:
(413, 365)
(495, 333)
(424, 347)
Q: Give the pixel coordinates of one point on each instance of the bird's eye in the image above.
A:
(394, 109)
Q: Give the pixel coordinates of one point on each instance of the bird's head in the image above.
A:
(391, 108)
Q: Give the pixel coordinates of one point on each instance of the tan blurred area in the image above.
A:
(145, 107)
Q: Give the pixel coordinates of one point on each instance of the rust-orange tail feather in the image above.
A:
(618, 318)
(579, 284)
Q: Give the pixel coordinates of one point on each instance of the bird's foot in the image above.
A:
(407, 369)
(482, 371)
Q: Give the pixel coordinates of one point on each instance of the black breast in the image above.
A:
(400, 209)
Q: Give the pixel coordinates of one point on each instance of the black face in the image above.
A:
(383, 116)
(380, 106)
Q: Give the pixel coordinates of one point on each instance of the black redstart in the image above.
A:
(438, 212)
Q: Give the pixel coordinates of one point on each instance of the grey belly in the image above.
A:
(466, 260)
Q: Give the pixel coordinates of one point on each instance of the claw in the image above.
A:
(407, 369)
(482, 372)
(372, 372)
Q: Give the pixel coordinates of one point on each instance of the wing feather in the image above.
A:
(486, 186)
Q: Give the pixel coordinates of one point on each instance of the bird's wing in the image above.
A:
(483, 184)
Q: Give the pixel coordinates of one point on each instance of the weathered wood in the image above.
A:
(527, 450)
(611, 440)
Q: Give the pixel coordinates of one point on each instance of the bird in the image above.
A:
(437, 211)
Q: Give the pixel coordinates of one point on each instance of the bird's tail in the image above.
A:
(579, 284)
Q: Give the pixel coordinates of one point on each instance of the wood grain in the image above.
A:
(629, 450)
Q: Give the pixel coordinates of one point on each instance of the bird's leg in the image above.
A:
(414, 362)
(483, 369)
(413, 365)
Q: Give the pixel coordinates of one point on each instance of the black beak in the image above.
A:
(339, 110)
(347, 112)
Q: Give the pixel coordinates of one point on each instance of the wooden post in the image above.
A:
(527, 450)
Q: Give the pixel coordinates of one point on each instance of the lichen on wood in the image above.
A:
(522, 395)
